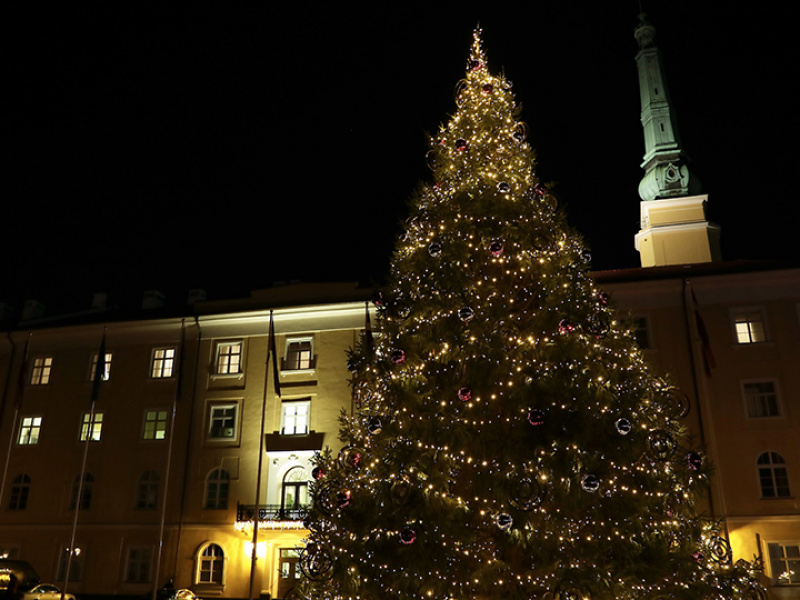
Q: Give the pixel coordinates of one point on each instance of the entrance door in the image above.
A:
(289, 571)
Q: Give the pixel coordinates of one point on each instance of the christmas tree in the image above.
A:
(509, 440)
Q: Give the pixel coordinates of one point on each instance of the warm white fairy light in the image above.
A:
(474, 496)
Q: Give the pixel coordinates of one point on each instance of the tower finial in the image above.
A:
(644, 33)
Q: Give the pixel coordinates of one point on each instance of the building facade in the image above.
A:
(171, 446)
(728, 335)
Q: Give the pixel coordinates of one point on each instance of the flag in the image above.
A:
(705, 343)
(22, 378)
(275, 379)
(99, 370)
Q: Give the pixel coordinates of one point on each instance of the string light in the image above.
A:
(501, 468)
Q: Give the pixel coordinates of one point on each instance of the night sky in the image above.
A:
(229, 148)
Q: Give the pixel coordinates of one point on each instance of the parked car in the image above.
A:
(170, 593)
(45, 591)
(22, 570)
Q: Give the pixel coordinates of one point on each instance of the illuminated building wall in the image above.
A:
(204, 461)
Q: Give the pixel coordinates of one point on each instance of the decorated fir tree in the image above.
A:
(509, 440)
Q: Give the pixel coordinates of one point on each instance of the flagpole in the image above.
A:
(175, 397)
(23, 369)
(256, 514)
(99, 374)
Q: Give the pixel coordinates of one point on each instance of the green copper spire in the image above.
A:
(666, 174)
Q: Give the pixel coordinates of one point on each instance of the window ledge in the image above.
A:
(238, 375)
(285, 372)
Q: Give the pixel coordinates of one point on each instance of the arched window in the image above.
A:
(773, 476)
(20, 488)
(294, 491)
(217, 487)
(85, 492)
(147, 493)
(211, 565)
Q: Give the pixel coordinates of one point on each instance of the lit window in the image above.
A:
(91, 426)
(784, 561)
(294, 492)
(211, 565)
(290, 569)
(137, 566)
(20, 488)
(29, 430)
(147, 493)
(229, 358)
(749, 326)
(163, 363)
(773, 476)
(40, 370)
(222, 422)
(155, 425)
(299, 355)
(85, 491)
(294, 417)
(217, 488)
(106, 370)
(761, 399)
(75, 564)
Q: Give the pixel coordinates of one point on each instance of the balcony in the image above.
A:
(271, 516)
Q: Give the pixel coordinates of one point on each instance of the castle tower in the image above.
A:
(674, 229)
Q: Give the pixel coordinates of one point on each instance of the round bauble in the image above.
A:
(374, 426)
(590, 483)
(408, 536)
(536, 417)
(504, 521)
(623, 426)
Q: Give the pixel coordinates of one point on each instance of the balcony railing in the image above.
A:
(269, 512)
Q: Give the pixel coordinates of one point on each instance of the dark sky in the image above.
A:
(228, 148)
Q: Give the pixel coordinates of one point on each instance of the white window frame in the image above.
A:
(213, 498)
(30, 430)
(772, 466)
(162, 362)
(291, 417)
(202, 560)
(218, 425)
(749, 325)
(224, 361)
(298, 363)
(142, 565)
(754, 403)
(107, 365)
(91, 422)
(775, 575)
(41, 369)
